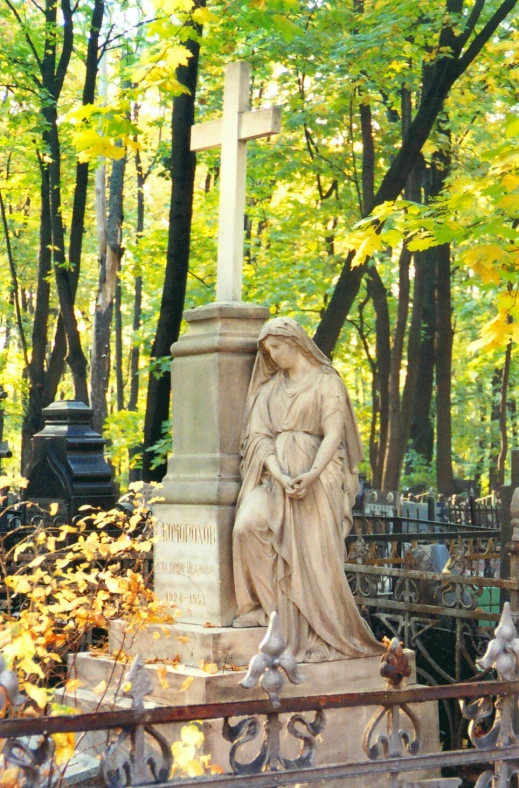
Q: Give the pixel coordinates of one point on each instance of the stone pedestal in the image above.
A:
(341, 741)
(211, 369)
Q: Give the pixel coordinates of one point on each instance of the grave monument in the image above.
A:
(211, 371)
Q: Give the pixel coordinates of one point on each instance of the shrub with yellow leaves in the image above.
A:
(65, 584)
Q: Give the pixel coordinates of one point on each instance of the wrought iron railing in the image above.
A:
(392, 740)
(435, 586)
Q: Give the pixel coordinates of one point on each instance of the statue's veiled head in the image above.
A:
(281, 337)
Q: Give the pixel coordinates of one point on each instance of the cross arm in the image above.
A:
(253, 125)
(260, 123)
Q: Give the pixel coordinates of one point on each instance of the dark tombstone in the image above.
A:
(466, 487)
(68, 466)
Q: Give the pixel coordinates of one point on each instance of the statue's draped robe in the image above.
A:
(290, 559)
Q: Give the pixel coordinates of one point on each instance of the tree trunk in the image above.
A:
(135, 473)
(414, 350)
(108, 270)
(480, 465)
(398, 431)
(119, 378)
(391, 474)
(503, 407)
(183, 163)
(444, 338)
(494, 430)
(53, 72)
(422, 428)
(33, 419)
(378, 294)
(77, 228)
(75, 357)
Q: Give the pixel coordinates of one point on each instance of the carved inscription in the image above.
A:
(185, 568)
(179, 598)
(183, 533)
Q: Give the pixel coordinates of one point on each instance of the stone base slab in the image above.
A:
(191, 643)
(170, 687)
(341, 740)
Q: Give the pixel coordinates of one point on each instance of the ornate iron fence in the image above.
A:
(435, 586)
(392, 740)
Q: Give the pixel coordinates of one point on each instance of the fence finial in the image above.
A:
(503, 651)
(265, 666)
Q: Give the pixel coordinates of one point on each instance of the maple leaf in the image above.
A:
(186, 683)
(162, 674)
(65, 747)
(39, 694)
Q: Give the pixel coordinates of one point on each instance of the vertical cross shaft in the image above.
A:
(231, 132)
(232, 183)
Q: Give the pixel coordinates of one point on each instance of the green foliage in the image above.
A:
(417, 472)
(322, 62)
(162, 448)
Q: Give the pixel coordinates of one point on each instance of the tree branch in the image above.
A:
(16, 287)
(482, 37)
(471, 22)
(37, 6)
(26, 34)
(66, 52)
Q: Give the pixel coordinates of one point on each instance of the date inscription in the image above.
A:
(179, 598)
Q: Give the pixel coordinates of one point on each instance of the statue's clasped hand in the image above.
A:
(286, 483)
(301, 483)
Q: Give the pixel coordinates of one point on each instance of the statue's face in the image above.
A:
(282, 353)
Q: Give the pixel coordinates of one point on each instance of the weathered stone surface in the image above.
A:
(212, 364)
(193, 561)
(329, 678)
(340, 741)
(210, 373)
(190, 642)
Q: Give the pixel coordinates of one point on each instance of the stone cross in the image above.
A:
(232, 132)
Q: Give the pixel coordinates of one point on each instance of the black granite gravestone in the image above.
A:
(68, 466)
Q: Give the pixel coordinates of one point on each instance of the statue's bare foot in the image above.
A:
(248, 620)
(316, 655)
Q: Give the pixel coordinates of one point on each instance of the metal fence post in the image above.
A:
(513, 552)
(505, 494)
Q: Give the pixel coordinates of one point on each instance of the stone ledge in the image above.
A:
(219, 645)
(171, 688)
(341, 741)
(227, 309)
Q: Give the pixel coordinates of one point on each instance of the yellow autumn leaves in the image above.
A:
(81, 578)
(188, 760)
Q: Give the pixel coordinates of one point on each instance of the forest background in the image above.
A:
(384, 217)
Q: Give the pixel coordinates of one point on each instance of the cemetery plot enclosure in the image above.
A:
(392, 739)
(436, 587)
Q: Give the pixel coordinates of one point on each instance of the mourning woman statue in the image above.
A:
(300, 452)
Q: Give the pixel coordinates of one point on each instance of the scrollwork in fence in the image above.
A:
(396, 741)
(502, 654)
(267, 669)
(27, 756)
(121, 765)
